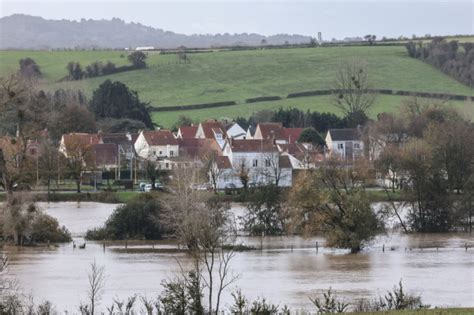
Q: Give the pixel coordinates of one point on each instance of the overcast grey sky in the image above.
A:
(333, 18)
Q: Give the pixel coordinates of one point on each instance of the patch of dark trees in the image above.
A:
(454, 59)
(98, 68)
(296, 118)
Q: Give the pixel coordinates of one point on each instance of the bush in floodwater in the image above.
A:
(46, 228)
(397, 299)
(137, 219)
(329, 303)
(243, 306)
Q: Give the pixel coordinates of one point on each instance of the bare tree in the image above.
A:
(205, 227)
(213, 170)
(243, 173)
(271, 169)
(96, 279)
(352, 85)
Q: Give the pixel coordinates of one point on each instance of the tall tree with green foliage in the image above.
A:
(311, 135)
(137, 58)
(116, 100)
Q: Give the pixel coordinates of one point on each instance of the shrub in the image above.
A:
(139, 218)
(46, 228)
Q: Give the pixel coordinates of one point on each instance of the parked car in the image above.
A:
(148, 188)
(202, 187)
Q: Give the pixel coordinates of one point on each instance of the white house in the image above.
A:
(234, 131)
(158, 144)
(346, 144)
(259, 160)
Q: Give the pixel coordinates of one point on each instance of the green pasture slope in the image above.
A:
(237, 75)
(383, 103)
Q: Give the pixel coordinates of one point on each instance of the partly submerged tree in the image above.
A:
(332, 200)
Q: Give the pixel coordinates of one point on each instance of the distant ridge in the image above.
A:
(19, 31)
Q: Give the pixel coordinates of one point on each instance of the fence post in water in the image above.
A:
(126, 244)
(317, 247)
(103, 246)
(465, 246)
(261, 241)
(383, 248)
(291, 248)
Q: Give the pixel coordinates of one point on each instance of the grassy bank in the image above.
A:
(104, 197)
(442, 311)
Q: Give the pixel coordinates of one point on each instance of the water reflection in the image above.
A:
(286, 271)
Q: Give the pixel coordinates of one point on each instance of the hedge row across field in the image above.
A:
(442, 96)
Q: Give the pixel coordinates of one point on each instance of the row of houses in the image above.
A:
(234, 156)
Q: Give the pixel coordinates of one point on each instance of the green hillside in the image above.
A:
(237, 75)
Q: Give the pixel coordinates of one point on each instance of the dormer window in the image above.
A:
(161, 153)
(340, 145)
(171, 153)
(255, 163)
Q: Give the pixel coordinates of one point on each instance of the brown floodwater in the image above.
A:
(287, 271)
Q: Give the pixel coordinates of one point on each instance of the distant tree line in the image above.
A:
(297, 118)
(454, 59)
(113, 108)
(97, 68)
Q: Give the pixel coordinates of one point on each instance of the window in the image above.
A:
(171, 153)
(340, 145)
(268, 163)
(161, 152)
(167, 165)
(255, 163)
(356, 146)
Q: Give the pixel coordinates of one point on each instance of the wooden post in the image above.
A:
(383, 248)
(126, 244)
(317, 247)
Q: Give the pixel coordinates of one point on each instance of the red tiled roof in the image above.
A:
(223, 162)
(80, 139)
(271, 131)
(188, 132)
(252, 145)
(292, 148)
(105, 154)
(198, 148)
(160, 137)
(292, 134)
(208, 127)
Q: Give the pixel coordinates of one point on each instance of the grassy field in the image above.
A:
(383, 103)
(237, 75)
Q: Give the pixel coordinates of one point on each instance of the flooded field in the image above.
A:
(287, 271)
